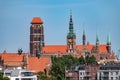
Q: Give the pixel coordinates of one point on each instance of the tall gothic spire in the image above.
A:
(71, 36)
(84, 38)
(97, 40)
(108, 44)
(71, 23)
(71, 28)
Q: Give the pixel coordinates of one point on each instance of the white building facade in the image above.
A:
(19, 74)
(109, 72)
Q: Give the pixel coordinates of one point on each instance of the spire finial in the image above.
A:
(70, 12)
(84, 37)
(70, 15)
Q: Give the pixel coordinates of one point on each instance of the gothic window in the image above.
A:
(35, 38)
(37, 26)
(35, 30)
(39, 30)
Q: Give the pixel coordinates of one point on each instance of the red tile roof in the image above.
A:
(38, 64)
(54, 48)
(63, 48)
(12, 57)
(103, 49)
(36, 20)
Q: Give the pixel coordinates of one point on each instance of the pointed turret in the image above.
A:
(84, 38)
(97, 40)
(97, 43)
(108, 44)
(108, 39)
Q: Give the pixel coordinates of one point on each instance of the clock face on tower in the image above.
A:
(69, 40)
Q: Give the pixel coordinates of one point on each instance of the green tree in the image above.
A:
(57, 70)
(59, 64)
(87, 59)
(90, 60)
(111, 62)
(1, 76)
(6, 78)
(42, 76)
(81, 60)
(93, 60)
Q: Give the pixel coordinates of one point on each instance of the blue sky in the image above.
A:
(101, 16)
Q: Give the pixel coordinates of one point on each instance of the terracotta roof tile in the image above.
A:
(102, 48)
(36, 20)
(14, 63)
(63, 48)
(38, 64)
(12, 57)
(54, 48)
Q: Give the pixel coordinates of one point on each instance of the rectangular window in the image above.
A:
(35, 30)
(111, 78)
(17, 79)
(116, 78)
(116, 73)
(111, 73)
(80, 73)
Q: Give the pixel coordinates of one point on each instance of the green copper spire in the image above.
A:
(71, 23)
(71, 29)
(97, 40)
(108, 39)
(84, 38)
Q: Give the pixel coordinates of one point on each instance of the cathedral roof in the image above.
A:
(63, 48)
(36, 20)
(54, 48)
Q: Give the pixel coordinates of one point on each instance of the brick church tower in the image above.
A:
(36, 36)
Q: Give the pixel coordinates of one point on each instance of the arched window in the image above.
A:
(39, 30)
